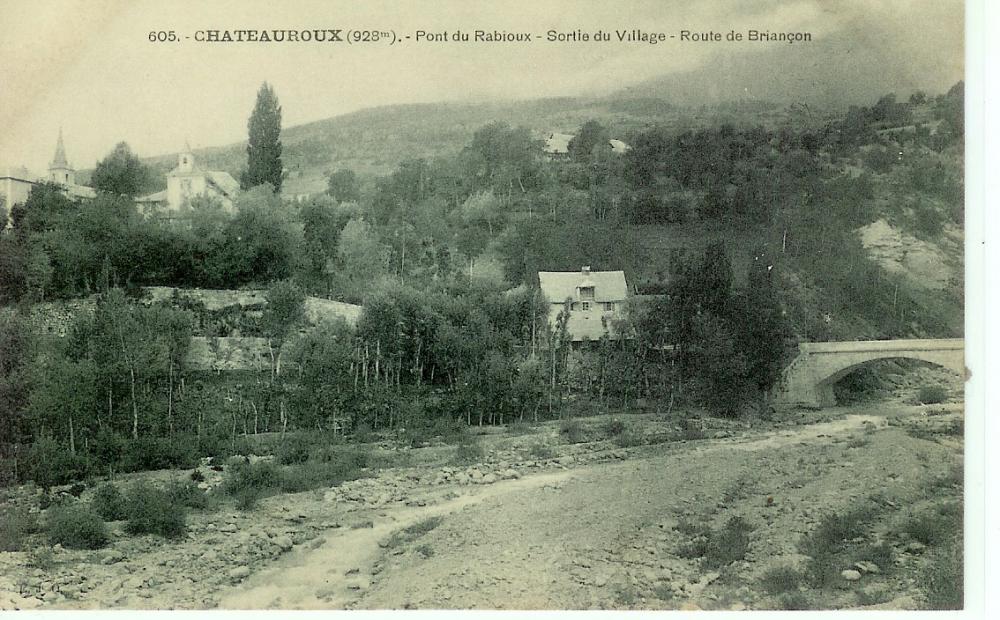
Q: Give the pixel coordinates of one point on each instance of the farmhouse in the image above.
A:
(16, 181)
(593, 298)
(187, 181)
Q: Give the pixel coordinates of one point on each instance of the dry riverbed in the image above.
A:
(542, 523)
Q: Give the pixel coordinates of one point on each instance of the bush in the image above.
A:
(469, 452)
(932, 394)
(540, 451)
(294, 449)
(16, 524)
(149, 510)
(943, 579)
(362, 432)
(151, 453)
(614, 427)
(186, 493)
(932, 527)
(729, 544)
(50, 464)
(334, 465)
(572, 431)
(248, 482)
(781, 579)
(76, 527)
(108, 502)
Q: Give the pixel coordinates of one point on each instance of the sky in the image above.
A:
(88, 67)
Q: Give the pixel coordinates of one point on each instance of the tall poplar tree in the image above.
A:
(264, 147)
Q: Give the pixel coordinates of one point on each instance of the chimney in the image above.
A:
(585, 270)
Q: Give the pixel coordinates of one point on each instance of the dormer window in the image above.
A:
(586, 292)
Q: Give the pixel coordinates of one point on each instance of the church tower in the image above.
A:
(59, 170)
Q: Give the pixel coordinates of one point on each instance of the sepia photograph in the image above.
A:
(449, 305)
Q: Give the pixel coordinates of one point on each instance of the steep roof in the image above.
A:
(560, 285)
(557, 143)
(224, 181)
(59, 161)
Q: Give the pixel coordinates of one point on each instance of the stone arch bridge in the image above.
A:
(808, 381)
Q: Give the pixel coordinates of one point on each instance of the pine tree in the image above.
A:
(264, 147)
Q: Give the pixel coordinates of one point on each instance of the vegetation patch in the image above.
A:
(572, 431)
(16, 525)
(76, 527)
(717, 548)
(108, 502)
(932, 394)
(469, 452)
(149, 510)
(412, 532)
(781, 579)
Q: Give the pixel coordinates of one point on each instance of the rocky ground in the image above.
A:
(542, 523)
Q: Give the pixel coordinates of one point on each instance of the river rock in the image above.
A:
(238, 573)
(867, 567)
(850, 574)
(283, 542)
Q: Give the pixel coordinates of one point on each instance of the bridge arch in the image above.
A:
(809, 379)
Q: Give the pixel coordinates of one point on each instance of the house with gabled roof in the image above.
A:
(593, 299)
(188, 180)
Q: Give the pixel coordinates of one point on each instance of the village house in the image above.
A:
(188, 181)
(594, 300)
(555, 146)
(16, 181)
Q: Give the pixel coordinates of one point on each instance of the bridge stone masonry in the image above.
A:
(808, 381)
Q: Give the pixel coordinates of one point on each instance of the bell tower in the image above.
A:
(59, 170)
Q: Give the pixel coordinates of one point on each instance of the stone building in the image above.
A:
(187, 181)
(16, 181)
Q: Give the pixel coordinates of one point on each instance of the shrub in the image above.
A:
(108, 502)
(729, 544)
(294, 449)
(151, 453)
(630, 437)
(412, 532)
(933, 527)
(572, 431)
(781, 579)
(249, 482)
(186, 493)
(468, 452)
(932, 394)
(836, 529)
(614, 427)
(540, 451)
(362, 432)
(334, 466)
(149, 510)
(197, 476)
(943, 579)
(794, 601)
(50, 464)
(16, 524)
(76, 527)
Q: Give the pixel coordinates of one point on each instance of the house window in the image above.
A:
(586, 292)
(609, 306)
(585, 305)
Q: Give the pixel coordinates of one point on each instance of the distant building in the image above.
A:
(556, 146)
(593, 298)
(188, 181)
(16, 181)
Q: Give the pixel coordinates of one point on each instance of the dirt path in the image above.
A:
(333, 570)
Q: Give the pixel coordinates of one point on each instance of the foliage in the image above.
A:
(150, 510)
(121, 173)
(108, 502)
(932, 394)
(469, 452)
(343, 186)
(187, 494)
(16, 525)
(264, 144)
(781, 579)
(75, 526)
(572, 431)
(248, 482)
